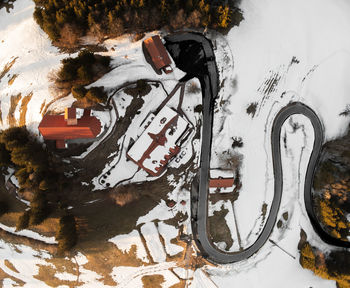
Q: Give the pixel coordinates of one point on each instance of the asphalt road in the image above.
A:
(208, 76)
(204, 244)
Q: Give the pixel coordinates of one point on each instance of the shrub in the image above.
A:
(251, 109)
(23, 221)
(198, 108)
(141, 89)
(39, 208)
(67, 233)
(96, 94)
(79, 92)
(237, 142)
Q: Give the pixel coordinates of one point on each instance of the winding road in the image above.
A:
(208, 76)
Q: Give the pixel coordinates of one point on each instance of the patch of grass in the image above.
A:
(218, 229)
(153, 281)
(23, 109)
(11, 119)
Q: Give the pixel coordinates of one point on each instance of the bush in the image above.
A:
(81, 68)
(23, 221)
(198, 108)
(67, 233)
(141, 89)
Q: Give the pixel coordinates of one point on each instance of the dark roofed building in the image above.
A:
(157, 55)
(68, 126)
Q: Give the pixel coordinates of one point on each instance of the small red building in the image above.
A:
(221, 183)
(157, 55)
(69, 126)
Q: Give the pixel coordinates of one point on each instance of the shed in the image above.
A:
(157, 55)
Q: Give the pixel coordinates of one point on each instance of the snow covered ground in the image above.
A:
(283, 51)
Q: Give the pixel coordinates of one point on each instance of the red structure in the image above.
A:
(157, 55)
(221, 183)
(68, 126)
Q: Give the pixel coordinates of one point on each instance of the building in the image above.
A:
(157, 55)
(221, 180)
(160, 141)
(69, 126)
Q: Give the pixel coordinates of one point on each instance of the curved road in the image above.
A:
(218, 256)
(208, 77)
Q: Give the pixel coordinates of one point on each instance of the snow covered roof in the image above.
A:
(159, 142)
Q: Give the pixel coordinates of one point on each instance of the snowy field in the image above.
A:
(283, 51)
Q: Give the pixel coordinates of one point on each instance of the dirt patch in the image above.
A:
(47, 275)
(23, 109)
(218, 229)
(4, 275)
(10, 266)
(153, 281)
(12, 79)
(11, 116)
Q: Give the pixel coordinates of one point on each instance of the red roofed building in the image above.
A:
(157, 55)
(68, 126)
(221, 183)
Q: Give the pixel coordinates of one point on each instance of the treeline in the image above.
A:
(332, 186)
(33, 169)
(67, 20)
(82, 70)
(333, 265)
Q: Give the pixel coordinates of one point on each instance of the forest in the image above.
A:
(332, 188)
(65, 21)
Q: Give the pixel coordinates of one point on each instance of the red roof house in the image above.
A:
(157, 55)
(68, 126)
